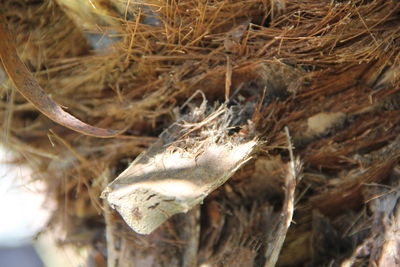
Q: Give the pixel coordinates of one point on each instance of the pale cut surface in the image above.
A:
(163, 182)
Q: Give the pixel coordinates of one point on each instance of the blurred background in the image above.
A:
(24, 212)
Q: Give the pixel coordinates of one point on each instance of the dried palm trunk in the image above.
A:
(293, 160)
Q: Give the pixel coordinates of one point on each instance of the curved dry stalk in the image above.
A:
(28, 86)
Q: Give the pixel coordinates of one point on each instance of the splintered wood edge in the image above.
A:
(151, 190)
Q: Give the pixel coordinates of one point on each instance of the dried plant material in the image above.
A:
(389, 76)
(174, 177)
(267, 179)
(275, 242)
(92, 13)
(324, 240)
(3, 77)
(43, 34)
(348, 193)
(382, 246)
(28, 86)
(233, 37)
(325, 69)
(386, 248)
(321, 123)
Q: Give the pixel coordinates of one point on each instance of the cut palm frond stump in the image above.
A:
(251, 132)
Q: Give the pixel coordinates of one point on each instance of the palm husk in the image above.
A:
(328, 71)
